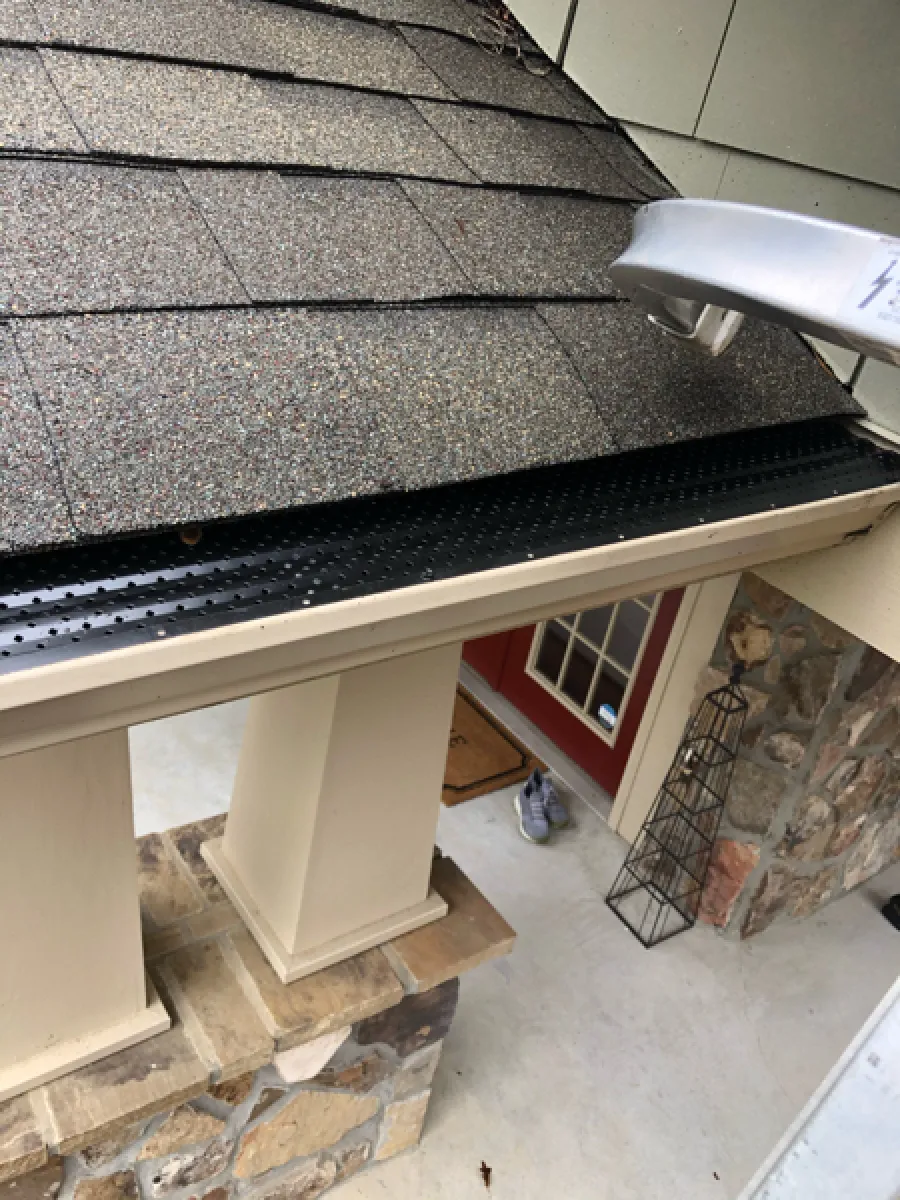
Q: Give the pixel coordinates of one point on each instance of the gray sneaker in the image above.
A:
(556, 812)
(529, 804)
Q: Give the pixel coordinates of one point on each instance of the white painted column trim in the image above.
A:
(329, 841)
(688, 651)
(857, 586)
(72, 983)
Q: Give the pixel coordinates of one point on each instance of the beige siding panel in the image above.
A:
(755, 180)
(646, 60)
(842, 362)
(545, 20)
(813, 82)
(878, 391)
(857, 586)
(695, 168)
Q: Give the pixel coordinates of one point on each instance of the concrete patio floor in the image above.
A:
(585, 1067)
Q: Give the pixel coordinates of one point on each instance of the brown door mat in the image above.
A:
(483, 755)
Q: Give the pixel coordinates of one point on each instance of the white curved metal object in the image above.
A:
(698, 265)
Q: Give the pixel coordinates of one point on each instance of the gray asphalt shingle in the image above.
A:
(117, 422)
(651, 388)
(176, 417)
(475, 73)
(33, 510)
(82, 237)
(528, 245)
(18, 21)
(308, 238)
(31, 114)
(457, 16)
(246, 33)
(360, 132)
(524, 151)
(157, 109)
(627, 160)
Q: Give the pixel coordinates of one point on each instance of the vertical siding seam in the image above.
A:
(715, 67)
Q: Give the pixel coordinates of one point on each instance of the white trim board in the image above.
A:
(83, 696)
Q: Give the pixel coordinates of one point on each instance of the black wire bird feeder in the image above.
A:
(657, 892)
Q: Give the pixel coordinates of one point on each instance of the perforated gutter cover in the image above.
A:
(81, 601)
(333, 284)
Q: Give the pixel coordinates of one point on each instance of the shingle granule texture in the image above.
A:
(527, 245)
(651, 388)
(525, 151)
(475, 73)
(31, 115)
(457, 16)
(177, 417)
(247, 33)
(627, 160)
(349, 250)
(81, 237)
(33, 510)
(18, 21)
(308, 238)
(156, 109)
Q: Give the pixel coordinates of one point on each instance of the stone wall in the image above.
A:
(289, 1131)
(814, 807)
(260, 1089)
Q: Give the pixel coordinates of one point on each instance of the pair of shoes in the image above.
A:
(539, 808)
(891, 911)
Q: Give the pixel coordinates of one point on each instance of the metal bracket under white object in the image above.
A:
(697, 265)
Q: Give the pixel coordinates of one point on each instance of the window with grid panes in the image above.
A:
(588, 660)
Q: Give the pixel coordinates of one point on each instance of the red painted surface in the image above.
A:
(487, 656)
(501, 661)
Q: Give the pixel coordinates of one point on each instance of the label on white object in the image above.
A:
(873, 303)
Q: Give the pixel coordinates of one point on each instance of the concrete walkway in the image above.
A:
(585, 1067)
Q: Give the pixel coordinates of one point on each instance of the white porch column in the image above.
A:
(72, 983)
(329, 841)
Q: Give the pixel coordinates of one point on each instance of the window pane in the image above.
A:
(648, 601)
(606, 702)
(625, 639)
(594, 624)
(550, 656)
(569, 620)
(580, 673)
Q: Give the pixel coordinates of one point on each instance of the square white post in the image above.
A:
(329, 842)
(72, 982)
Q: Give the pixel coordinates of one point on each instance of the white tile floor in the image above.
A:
(585, 1067)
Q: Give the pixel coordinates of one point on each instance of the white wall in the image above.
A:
(788, 103)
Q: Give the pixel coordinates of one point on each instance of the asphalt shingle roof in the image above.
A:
(32, 116)
(18, 21)
(82, 237)
(33, 509)
(518, 151)
(260, 254)
(168, 417)
(267, 37)
(654, 390)
(302, 237)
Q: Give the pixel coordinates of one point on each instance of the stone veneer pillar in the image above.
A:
(814, 808)
(259, 1089)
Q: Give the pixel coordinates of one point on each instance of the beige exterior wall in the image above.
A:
(792, 105)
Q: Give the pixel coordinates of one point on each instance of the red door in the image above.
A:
(583, 679)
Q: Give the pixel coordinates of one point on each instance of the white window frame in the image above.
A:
(609, 737)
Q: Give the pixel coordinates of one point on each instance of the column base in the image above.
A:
(290, 967)
(81, 1052)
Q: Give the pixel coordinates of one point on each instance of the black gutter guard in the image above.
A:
(102, 596)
